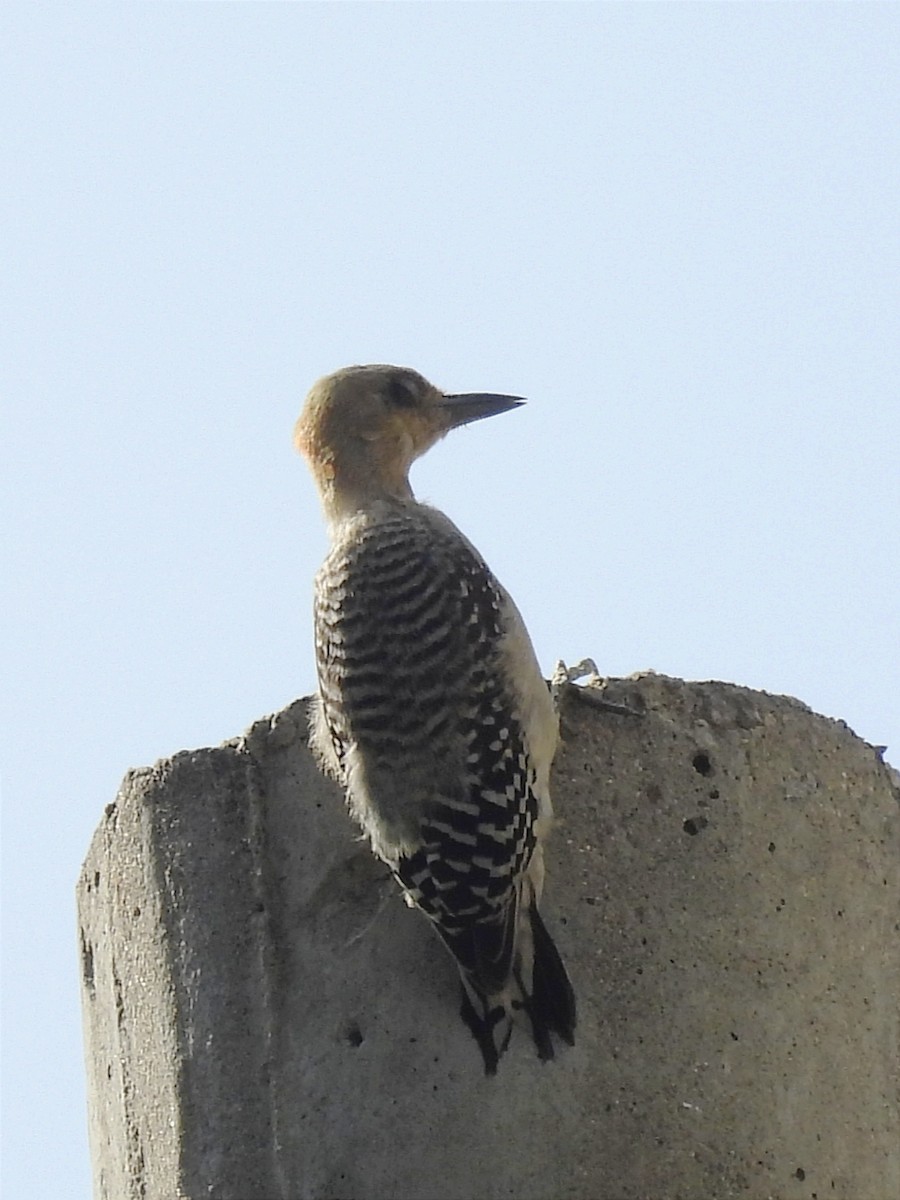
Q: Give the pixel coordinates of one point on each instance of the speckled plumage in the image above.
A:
(434, 716)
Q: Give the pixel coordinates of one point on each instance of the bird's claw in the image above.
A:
(592, 689)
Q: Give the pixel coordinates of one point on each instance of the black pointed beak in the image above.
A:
(472, 406)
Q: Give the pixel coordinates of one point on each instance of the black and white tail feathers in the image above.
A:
(509, 966)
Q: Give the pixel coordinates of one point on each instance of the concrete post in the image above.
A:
(266, 1020)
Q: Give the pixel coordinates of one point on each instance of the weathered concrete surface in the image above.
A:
(266, 1020)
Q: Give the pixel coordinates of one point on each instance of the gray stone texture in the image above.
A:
(266, 1020)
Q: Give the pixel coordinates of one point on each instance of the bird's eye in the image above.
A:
(401, 393)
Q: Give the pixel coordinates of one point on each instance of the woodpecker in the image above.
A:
(432, 712)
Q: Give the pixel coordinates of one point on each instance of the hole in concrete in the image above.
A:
(771, 847)
(714, 794)
(701, 764)
(353, 1034)
(694, 824)
(800, 1173)
(96, 879)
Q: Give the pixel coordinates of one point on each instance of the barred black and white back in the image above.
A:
(438, 722)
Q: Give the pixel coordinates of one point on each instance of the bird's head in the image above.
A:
(363, 427)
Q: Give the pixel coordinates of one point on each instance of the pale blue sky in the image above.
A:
(673, 228)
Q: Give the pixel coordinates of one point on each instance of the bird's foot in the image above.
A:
(592, 689)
